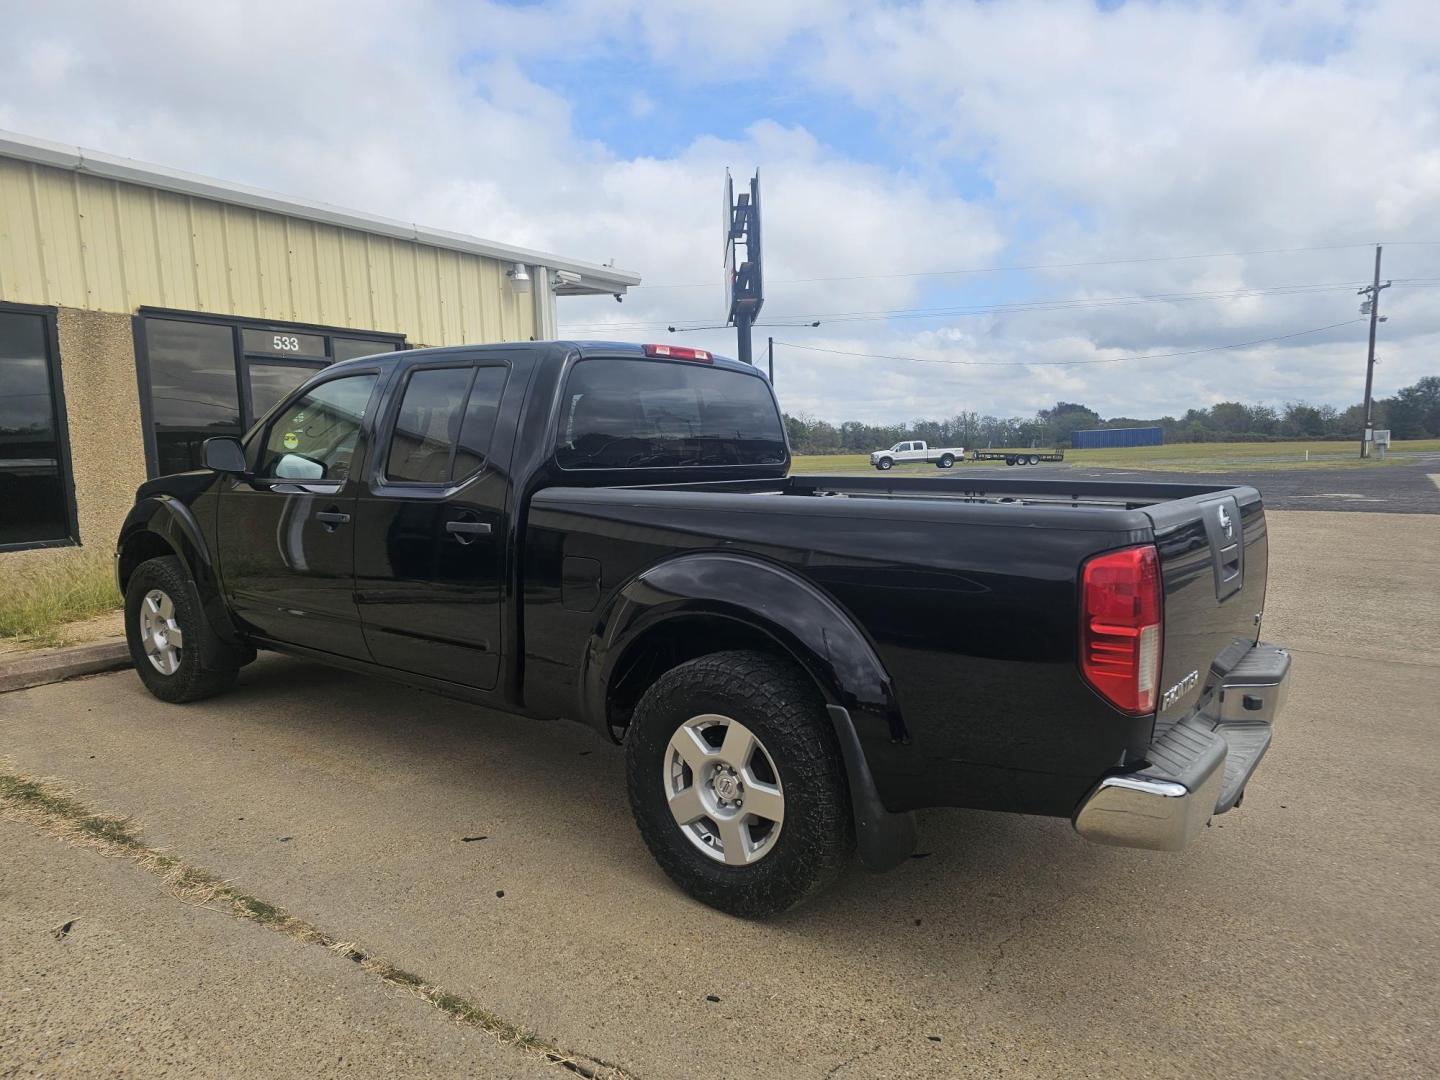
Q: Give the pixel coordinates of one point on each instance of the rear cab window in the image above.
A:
(624, 413)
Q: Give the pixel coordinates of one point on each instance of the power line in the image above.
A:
(1051, 266)
(1047, 304)
(1071, 363)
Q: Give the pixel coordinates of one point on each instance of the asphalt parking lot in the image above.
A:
(1299, 938)
(1406, 487)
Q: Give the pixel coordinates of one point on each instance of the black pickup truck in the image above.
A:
(793, 664)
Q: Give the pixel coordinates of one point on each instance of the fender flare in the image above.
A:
(807, 624)
(174, 523)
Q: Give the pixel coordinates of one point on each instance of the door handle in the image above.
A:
(332, 519)
(465, 532)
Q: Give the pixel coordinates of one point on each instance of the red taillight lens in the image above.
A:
(676, 352)
(1120, 627)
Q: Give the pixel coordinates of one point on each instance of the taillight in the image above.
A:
(677, 352)
(1120, 625)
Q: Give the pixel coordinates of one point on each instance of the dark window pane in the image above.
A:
(479, 422)
(314, 438)
(192, 389)
(648, 414)
(282, 343)
(349, 348)
(269, 383)
(428, 425)
(33, 505)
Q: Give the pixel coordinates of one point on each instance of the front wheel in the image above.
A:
(884, 463)
(164, 626)
(737, 783)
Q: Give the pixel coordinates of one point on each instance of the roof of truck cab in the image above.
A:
(620, 349)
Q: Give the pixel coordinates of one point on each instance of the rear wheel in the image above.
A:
(164, 627)
(737, 783)
(947, 461)
(1033, 460)
(1010, 459)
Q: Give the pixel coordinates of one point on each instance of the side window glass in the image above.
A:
(428, 426)
(479, 422)
(314, 437)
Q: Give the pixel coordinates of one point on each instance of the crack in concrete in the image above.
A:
(43, 805)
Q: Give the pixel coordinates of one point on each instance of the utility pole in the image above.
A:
(770, 346)
(1372, 308)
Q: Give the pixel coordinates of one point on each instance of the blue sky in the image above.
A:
(893, 139)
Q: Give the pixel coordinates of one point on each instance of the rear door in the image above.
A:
(1214, 556)
(433, 520)
(286, 535)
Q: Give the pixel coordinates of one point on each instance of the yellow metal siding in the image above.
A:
(79, 241)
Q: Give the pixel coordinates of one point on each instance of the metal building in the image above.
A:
(1096, 438)
(143, 310)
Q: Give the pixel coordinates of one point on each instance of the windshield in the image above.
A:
(648, 414)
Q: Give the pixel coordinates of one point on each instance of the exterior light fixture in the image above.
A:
(519, 277)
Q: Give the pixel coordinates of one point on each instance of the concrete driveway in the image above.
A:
(1299, 938)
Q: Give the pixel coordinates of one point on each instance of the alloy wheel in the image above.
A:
(723, 789)
(160, 634)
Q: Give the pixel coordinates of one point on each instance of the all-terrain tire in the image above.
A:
(188, 681)
(784, 711)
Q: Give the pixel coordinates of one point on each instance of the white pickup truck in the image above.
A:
(940, 457)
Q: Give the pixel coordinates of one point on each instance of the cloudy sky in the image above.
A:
(1024, 194)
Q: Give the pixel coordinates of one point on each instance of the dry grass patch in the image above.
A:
(40, 595)
(47, 806)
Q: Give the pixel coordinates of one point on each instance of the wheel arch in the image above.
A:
(697, 604)
(162, 525)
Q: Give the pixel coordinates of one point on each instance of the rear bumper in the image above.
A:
(1198, 768)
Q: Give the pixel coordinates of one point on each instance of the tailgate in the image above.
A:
(1213, 560)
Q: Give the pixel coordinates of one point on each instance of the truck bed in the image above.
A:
(1003, 489)
(963, 586)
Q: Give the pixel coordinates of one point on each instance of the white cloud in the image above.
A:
(1151, 130)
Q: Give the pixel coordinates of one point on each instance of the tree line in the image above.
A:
(1413, 413)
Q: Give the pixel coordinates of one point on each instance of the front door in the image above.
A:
(433, 521)
(287, 533)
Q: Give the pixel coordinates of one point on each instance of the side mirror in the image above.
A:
(224, 455)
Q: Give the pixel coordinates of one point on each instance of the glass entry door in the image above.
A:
(268, 381)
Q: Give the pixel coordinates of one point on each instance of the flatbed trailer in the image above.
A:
(1018, 457)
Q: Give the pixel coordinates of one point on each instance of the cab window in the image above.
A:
(314, 436)
(442, 432)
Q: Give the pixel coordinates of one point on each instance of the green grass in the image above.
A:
(1211, 457)
(842, 463)
(39, 594)
(1177, 457)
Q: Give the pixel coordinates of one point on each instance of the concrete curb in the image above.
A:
(54, 665)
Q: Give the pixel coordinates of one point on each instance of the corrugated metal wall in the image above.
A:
(80, 241)
(1106, 437)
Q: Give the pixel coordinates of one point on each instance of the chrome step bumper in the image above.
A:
(1198, 768)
